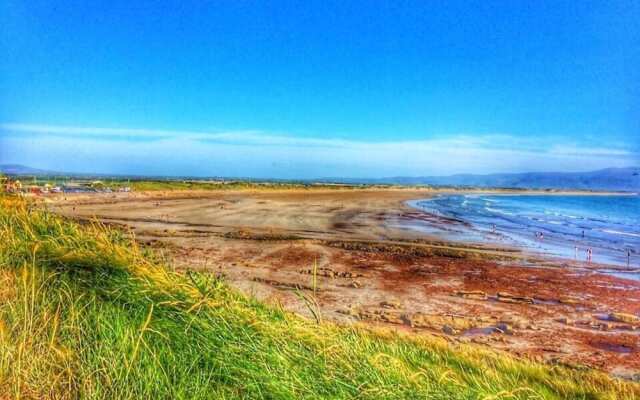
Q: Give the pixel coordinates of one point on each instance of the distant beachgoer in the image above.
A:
(628, 258)
(576, 255)
(541, 236)
(589, 254)
(493, 227)
(583, 233)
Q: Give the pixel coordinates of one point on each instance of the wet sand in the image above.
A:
(349, 250)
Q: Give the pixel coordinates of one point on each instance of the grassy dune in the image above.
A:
(85, 313)
(170, 185)
(151, 185)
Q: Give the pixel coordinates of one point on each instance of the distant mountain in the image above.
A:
(17, 169)
(615, 179)
(618, 179)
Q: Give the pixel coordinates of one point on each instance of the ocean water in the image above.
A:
(568, 224)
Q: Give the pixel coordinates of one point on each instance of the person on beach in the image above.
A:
(576, 255)
(628, 258)
(589, 254)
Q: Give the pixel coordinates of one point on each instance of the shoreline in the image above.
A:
(508, 229)
(268, 244)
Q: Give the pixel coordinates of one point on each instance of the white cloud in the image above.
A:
(259, 154)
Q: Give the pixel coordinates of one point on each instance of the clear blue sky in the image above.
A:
(311, 89)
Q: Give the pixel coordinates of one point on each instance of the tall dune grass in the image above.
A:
(85, 313)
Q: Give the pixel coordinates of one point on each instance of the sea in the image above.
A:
(557, 225)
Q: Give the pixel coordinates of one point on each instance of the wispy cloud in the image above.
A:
(263, 154)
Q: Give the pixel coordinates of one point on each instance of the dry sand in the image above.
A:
(367, 268)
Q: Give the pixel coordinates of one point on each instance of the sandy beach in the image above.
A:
(347, 251)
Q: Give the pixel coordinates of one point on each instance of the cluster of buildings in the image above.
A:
(9, 185)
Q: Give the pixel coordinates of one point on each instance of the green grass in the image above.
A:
(86, 313)
(149, 184)
(195, 185)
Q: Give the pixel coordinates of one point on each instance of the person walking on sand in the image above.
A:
(576, 255)
(628, 258)
(589, 254)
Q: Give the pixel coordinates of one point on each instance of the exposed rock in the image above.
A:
(419, 320)
(504, 328)
(582, 321)
(348, 274)
(437, 322)
(472, 294)
(377, 315)
(392, 317)
(563, 320)
(626, 327)
(623, 317)
(329, 273)
(510, 298)
(326, 272)
(449, 330)
(603, 326)
(394, 304)
(352, 310)
(284, 285)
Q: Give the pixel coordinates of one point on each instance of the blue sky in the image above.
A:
(314, 89)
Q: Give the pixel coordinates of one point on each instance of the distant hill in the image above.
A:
(618, 179)
(17, 169)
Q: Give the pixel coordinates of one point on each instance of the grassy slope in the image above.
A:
(85, 313)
